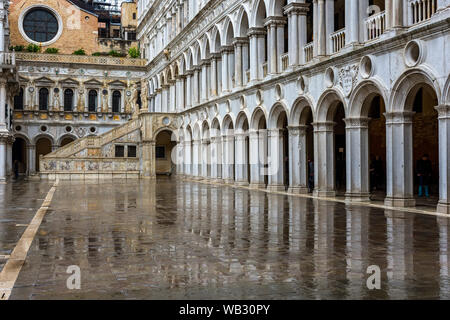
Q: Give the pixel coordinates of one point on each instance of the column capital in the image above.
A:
(443, 111)
(297, 130)
(275, 132)
(215, 55)
(256, 32)
(357, 122)
(399, 117)
(275, 21)
(327, 126)
(226, 49)
(296, 8)
(240, 41)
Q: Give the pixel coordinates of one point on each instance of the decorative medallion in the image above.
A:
(347, 78)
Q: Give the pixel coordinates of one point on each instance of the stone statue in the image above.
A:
(32, 91)
(144, 95)
(56, 100)
(81, 104)
(133, 100)
(104, 101)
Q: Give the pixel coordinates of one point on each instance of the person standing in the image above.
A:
(310, 175)
(424, 171)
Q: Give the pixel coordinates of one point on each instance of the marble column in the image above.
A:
(256, 177)
(257, 55)
(397, 13)
(205, 161)
(228, 158)
(214, 159)
(241, 166)
(357, 155)
(3, 143)
(189, 90)
(324, 168)
(298, 162)
(180, 158)
(196, 159)
(329, 24)
(272, 45)
(296, 13)
(188, 158)
(238, 44)
(399, 159)
(3, 127)
(204, 86)
(31, 157)
(444, 158)
(9, 162)
(195, 96)
(225, 70)
(214, 75)
(321, 29)
(276, 161)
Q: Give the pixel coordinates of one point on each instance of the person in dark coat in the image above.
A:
(376, 173)
(16, 169)
(310, 175)
(424, 171)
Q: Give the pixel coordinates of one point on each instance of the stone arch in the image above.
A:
(65, 136)
(46, 136)
(403, 94)
(298, 109)
(259, 13)
(275, 113)
(229, 32)
(188, 133)
(215, 42)
(24, 137)
(446, 95)
(215, 127)
(174, 134)
(326, 106)
(227, 124)
(240, 121)
(258, 115)
(206, 132)
(364, 91)
(205, 48)
(196, 133)
(243, 22)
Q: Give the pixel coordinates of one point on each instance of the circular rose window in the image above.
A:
(40, 25)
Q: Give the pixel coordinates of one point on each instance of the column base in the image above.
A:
(217, 180)
(241, 183)
(399, 202)
(298, 190)
(324, 194)
(276, 187)
(357, 197)
(257, 186)
(443, 207)
(228, 181)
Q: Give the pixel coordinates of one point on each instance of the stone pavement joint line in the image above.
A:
(12, 268)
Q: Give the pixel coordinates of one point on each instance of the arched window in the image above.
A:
(43, 99)
(18, 100)
(116, 101)
(68, 100)
(93, 101)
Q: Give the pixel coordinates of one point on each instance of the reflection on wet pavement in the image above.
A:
(172, 239)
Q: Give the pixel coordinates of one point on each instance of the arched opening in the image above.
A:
(242, 150)
(279, 151)
(66, 140)
(163, 153)
(263, 51)
(377, 147)
(302, 145)
(18, 100)
(216, 151)
(206, 151)
(425, 142)
(228, 150)
(68, 100)
(93, 101)
(43, 147)
(19, 156)
(43, 99)
(116, 101)
(188, 156)
(259, 151)
(339, 148)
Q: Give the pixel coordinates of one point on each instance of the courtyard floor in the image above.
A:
(174, 239)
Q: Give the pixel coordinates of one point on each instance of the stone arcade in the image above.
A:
(266, 94)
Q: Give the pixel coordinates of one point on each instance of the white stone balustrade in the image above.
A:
(337, 40)
(375, 25)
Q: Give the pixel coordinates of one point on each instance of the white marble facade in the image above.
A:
(248, 79)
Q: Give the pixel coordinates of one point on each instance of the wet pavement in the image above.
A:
(172, 239)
